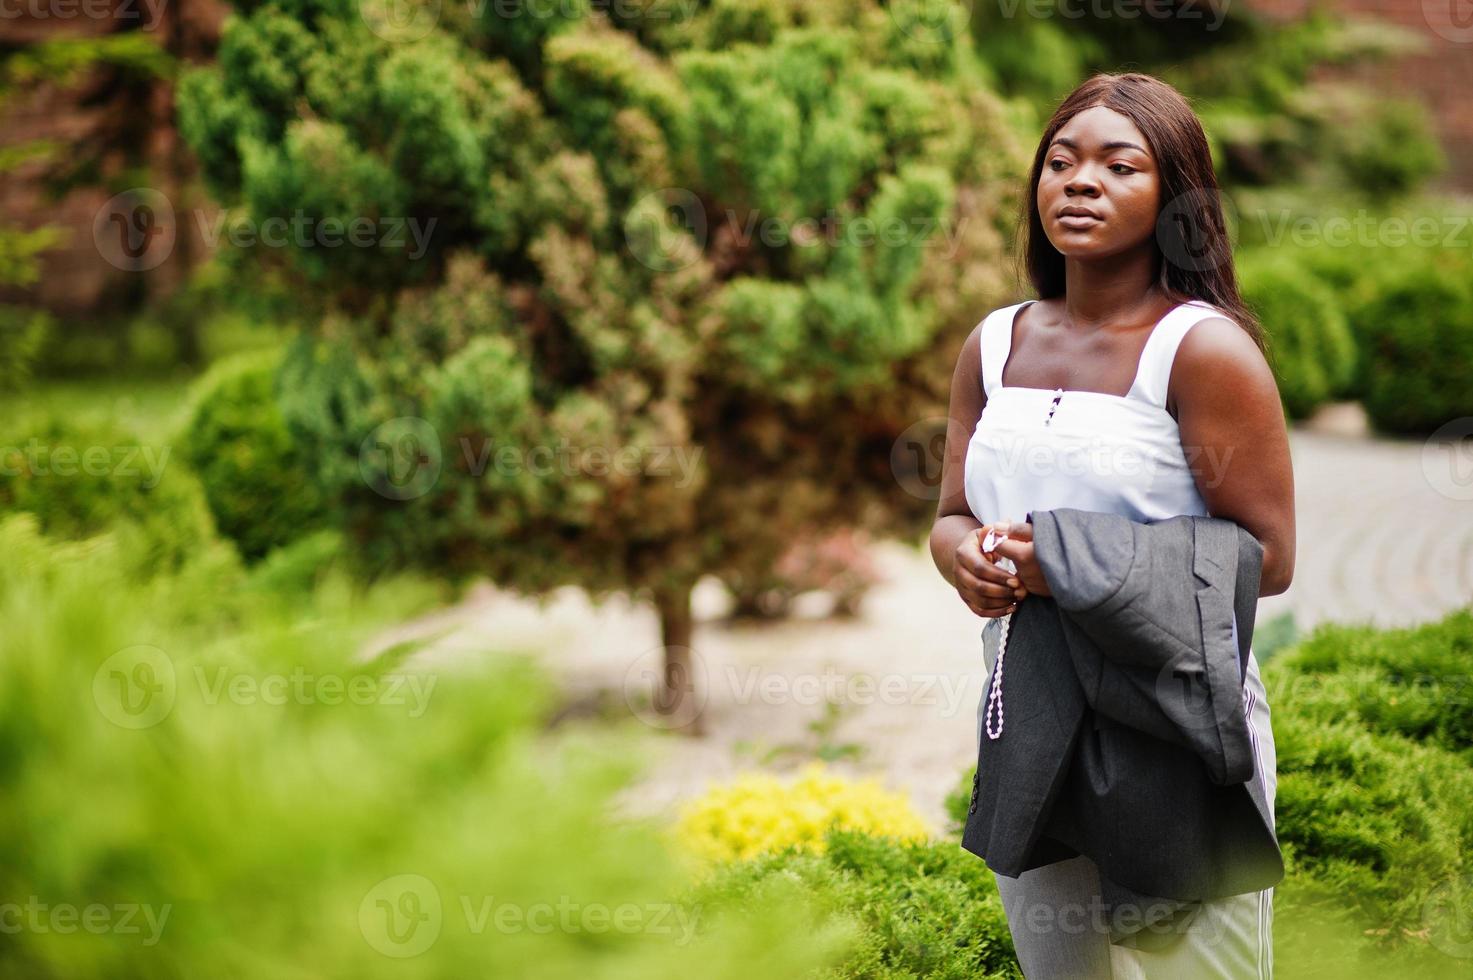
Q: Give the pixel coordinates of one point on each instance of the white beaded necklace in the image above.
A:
(994, 691)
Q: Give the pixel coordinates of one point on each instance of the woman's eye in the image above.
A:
(1052, 162)
(1128, 169)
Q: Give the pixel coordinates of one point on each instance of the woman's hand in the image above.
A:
(1019, 547)
(988, 589)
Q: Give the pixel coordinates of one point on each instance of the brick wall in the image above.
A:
(76, 276)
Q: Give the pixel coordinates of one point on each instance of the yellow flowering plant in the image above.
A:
(757, 813)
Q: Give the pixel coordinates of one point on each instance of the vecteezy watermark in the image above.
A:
(666, 687)
(938, 22)
(1431, 693)
(136, 230)
(1212, 13)
(753, 684)
(567, 459)
(402, 459)
(652, 241)
(303, 230)
(1449, 19)
(43, 459)
(148, 12)
(1363, 229)
(138, 687)
(1100, 918)
(404, 21)
(1447, 917)
(64, 919)
(403, 916)
(1195, 230)
(1447, 459)
(918, 453)
(1098, 455)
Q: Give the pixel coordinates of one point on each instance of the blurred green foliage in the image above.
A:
(1309, 342)
(254, 478)
(1416, 337)
(924, 909)
(269, 836)
(83, 478)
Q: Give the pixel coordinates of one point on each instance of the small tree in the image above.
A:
(680, 283)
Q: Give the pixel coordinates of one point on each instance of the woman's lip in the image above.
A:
(1078, 220)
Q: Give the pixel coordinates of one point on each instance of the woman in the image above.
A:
(1136, 384)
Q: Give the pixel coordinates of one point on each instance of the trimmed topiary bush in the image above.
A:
(1310, 345)
(1416, 340)
(256, 482)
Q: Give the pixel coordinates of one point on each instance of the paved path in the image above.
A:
(1376, 542)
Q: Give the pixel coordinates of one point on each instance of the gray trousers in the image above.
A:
(1057, 936)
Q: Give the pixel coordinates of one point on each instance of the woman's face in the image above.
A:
(1100, 163)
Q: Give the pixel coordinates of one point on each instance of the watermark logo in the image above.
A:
(1447, 459)
(1195, 230)
(401, 458)
(651, 239)
(1447, 917)
(937, 22)
(401, 916)
(139, 686)
(663, 699)
(135, 230)
(63, 918)
(1450, 19)
(135, 687)
(918, 453)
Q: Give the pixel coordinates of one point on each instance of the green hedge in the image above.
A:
(82, 479)
(260, 838)
(1310, 345)
(1416, 683)
(923, 909)
(255, 479)
(1416, 339)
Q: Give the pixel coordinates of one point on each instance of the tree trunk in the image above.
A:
(680, 701)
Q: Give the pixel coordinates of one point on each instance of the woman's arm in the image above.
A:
(955, 546)
(954, 519)
(1235, 439)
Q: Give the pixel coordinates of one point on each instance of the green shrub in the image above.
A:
(1416, 341)
(83, 478)
(1417, 683)
(261, 838)
(22, 333)
(1374, 823)
(1391, 149)
(924, 909)
(1310, 346)
(255, 479)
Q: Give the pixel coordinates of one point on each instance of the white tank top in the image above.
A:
(1042, 448)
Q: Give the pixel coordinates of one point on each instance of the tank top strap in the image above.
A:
(995, 341)
(1154, 373)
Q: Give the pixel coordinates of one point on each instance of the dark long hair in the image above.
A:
(1193, 251)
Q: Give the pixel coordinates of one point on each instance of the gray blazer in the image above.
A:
(1124, 734)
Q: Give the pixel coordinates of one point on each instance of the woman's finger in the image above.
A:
(983, 588)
